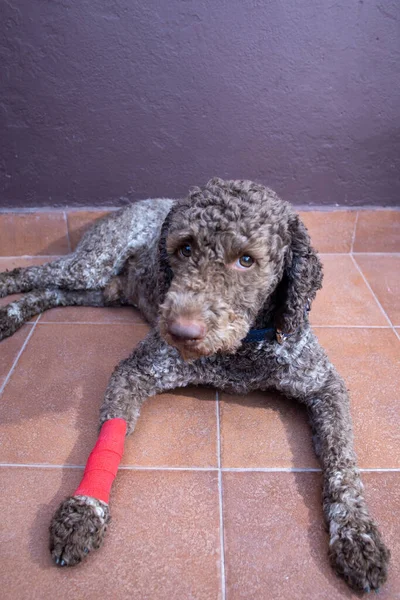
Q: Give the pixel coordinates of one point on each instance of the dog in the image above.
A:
(226, 278)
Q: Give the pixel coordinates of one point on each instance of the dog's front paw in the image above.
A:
(78, 526)
(359, 555)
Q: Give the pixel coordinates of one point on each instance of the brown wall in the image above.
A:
(104, 100)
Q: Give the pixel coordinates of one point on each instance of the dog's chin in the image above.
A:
(194, 349)
(191, 354)
(190, 350)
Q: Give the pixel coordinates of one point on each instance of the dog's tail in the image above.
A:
(15, 314)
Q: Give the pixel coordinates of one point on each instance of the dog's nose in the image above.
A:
(185, 329)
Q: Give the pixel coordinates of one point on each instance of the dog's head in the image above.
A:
(232, 254)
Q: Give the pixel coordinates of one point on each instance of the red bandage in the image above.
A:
(102, 465)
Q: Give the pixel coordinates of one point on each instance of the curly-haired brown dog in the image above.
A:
(229, 259)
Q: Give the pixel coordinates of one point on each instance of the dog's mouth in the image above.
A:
(190, 349)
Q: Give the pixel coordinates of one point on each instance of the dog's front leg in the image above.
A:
(80, 522)
(356, 549)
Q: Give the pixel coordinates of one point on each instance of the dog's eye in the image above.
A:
(185, 250)
(244, 262)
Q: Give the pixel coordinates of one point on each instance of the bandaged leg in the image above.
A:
(103, 462)
(80, 523)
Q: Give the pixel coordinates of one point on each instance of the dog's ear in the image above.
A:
(165, 273)
(302, 278)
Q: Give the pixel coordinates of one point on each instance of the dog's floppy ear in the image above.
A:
(302, 278)
(165, 273)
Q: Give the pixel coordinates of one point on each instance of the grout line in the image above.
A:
(92, 322)
(303, 470)
(122, 467)
(40, 466)
(271, 470)
(351, 326)
(221, 536)
(218, 430)
(86, 208)
(140, 468)
(28, 337)
(207, 469)
(332, 254)
(358, 253)
(220, 501)
(67, 228)
(375, 296)
(353, 238)
(25, 256)
(383, 470)
(375, 253)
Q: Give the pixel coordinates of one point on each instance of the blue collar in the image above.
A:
(271, 333)
(260, 335)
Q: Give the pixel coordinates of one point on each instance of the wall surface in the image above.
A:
(108, 100)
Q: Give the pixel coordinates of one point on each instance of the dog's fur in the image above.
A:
(134, 256)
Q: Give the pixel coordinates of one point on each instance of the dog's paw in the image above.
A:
(4, 280)
(359, 555)
(78, 526)
(8, 322)
(7, 282)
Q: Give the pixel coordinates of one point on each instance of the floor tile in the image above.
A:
(50, 405)
(345, 298)
(80, 221)
(275, 542)
(33, 233)
(378, 231)
(9, 349)
(176, 430)
(163, 540)
(368, 360)
(383, 275)
(264, 430)
(87, 314)
(330, 231)
(66, 369)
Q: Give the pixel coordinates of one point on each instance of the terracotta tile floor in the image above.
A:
(219, 497)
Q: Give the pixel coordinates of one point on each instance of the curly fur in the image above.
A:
(78, 526)
(133, 257)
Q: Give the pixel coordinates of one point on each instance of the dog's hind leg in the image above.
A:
(25, 279)
(15, 314)
(77, 271)
(100, 255)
